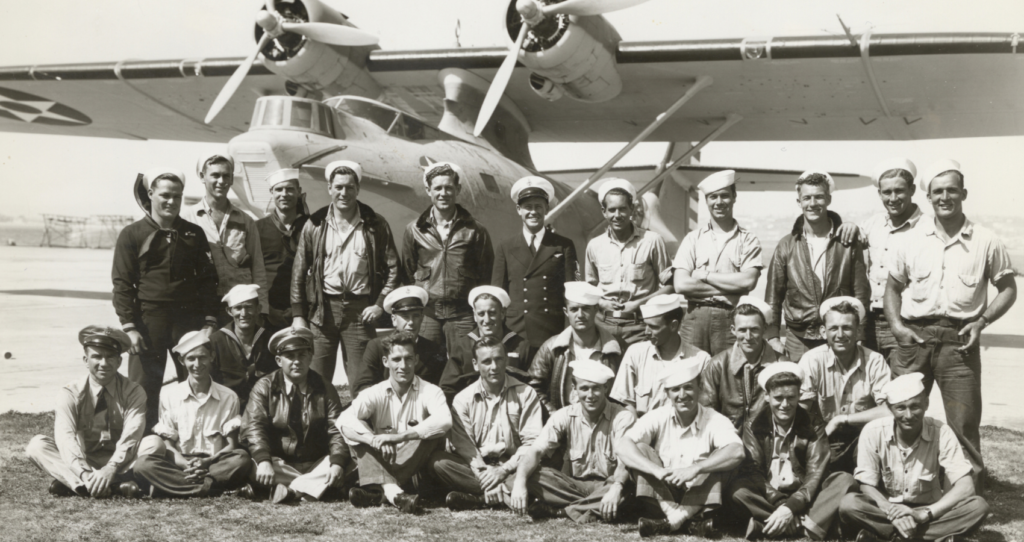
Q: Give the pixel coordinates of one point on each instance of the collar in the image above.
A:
(928, 430)
(832, 360)
(737, 359)
(775, 429)
(965, 233)
(481, 392)
(708, 227)
(638, 232)
(509, 335)
(576, 411)
(176, 225)
(94, 387)
(678, 354)
(226, 330)
(910, 223)
(540, 234)
(281, 226)
(332, 219)
(609, 345)
(214, 395)
(414, 386)
(698, 422)
(203, 208)
(427, 218)
(798, 226)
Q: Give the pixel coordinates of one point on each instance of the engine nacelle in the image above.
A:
(314, 66)
(578, 55)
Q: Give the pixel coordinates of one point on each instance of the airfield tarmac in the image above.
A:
(49, 294)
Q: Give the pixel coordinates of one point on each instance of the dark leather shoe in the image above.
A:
(652, 527)
(281, 494)
(246, 492)
(754, 529)
(129, 490)
(365, 498)
(409, 504)
(542, 510)
(704, 528)
(458, 501)
(58, 489)
(866, 536)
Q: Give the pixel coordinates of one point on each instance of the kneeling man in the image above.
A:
(393, 427)
(195, 451)
(587, 430)
(914, 479)
(680, 453)
(784, 484)
(98, 423)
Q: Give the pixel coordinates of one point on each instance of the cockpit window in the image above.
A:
(393, 122)
(379, 115)
(416, 130)
(282, 112)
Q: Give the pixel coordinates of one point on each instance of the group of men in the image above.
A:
(640, 407)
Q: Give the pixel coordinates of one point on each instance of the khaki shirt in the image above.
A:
(347, 265)
(704, 249)
(911, 476)
(590, 447)
(639, 378)
(878, 237)
(838, 393)
(947, 278)
(491, 429)
(678, 446)
(631, 268)
(199, 426)
(379, 410)
(88, 440)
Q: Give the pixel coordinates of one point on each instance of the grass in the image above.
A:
(28, 512)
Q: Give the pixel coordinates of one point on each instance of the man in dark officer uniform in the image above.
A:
(540, 261)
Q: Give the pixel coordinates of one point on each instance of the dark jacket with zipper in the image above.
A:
(383, 274)
(447, 268)
(795, 292)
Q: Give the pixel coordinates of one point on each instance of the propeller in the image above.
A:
(274, 25)
(532, 13)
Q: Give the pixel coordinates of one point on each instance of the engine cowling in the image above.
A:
(317, 67)
(575, 53)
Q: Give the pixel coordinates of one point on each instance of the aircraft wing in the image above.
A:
(747, 179)
(889, 87)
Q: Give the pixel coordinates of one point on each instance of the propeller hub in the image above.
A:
(270, 23)
(530, 11)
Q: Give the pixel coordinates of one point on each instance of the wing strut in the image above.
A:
(702, 82)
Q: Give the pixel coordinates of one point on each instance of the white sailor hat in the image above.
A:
(153, 173)
(681, 372)
(591, 371)
(660, 304)
(833, 301)
(583, 293)
(206, 157)
(533, 187)
(608, 185)
(778, 367)
(717, 181)
(281, 176)
(290, 338)
(759, 304)
(241, 293)
(806, 174)
(333, 166)
(190, 341)
(455, 167)
(500, 294)
(410, 293)
(903, 388)
(935, 169)
(893, 163)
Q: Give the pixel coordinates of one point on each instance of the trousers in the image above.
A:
(446, 331)
(155, 470)
(958, 375)
(162, 327)
(342, 323)
(630, 329)
(708, 328)
(858, 511)
(750, 497)
(309, 478)
(878, 335)
(797, 346)
(410, 458)
(678, 504)
(42, 452)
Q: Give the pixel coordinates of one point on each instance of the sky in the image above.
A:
(87, 176)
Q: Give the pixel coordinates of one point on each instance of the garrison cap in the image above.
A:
(660, 304)
(206, 157)
(281, 176)
(491, 290)
(608, 185)
(903, 387)
(105, 337)
(893, 163)
(778, 367)
(190, 341)
(291, 338)
(240, 294)
(455, 167)
(333, 166)
(833, 301)
(682, 371)
(935, 169)
(533, 187)
(828, 178)
(405, 297)
(717, 181)
(153, 173)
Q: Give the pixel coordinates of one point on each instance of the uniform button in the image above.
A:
(545, 276)
(524, 289)
(545, 299)
(545, 310)
(525, 311)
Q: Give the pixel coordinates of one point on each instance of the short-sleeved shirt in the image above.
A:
(911, 475)
(379, 410)
(838, 393)
(631, 268)
(498, 426)
(199, 426)
(678, 446)
(878, 236)
(947, 278)
(590, 447)
(639, 378)
(704, 249)
(346, 265)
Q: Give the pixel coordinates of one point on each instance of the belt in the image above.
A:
(710, 303)
(944, 321)
(878, 313)
(348, 296)
(620, 315)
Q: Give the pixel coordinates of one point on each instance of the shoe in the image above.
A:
(754, 529)
(866, 536)
(408, 503)
(129, 490)
(365, 498)
(652, 527)
(541, 510)
(458, 501)
(949, 538)
(704, 528)
(57, 489)
(246, 492)
(281, 494)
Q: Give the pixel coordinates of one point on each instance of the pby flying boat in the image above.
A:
(316, 89)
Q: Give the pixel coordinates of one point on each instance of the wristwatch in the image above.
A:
(931, 515)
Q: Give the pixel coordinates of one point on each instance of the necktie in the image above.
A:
(101, 413)
(295, 416)
(533, 241)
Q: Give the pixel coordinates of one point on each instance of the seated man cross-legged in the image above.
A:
(587, 430)
(393, 427)
(914, 479)
(785, 483)
(195, 451)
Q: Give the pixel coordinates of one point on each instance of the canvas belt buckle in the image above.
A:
(616, 314)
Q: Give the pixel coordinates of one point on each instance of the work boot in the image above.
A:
(129, 490)
(754, 529)
(361, 497)
(408, 503)
(246, 492)
(58, 489)
(866, 536)
(281, 494)
(458, 501)
(542, 510)
(652, 527)
(704, 528)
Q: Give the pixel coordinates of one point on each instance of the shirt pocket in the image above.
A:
(606, 273)
(643, 400)
(965, 288)
(641, 272)
(927, 484)
(919, 284)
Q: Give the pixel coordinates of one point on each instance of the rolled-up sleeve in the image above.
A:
(553, 434)
(879, 374)
(997, 261)
(647, 429)
(869, 460)
(624, 388)
(951, 456)
(750, 252)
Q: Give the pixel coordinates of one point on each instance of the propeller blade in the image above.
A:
(588, 7)
(236, 80)
(332, 34)
(497, 88)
